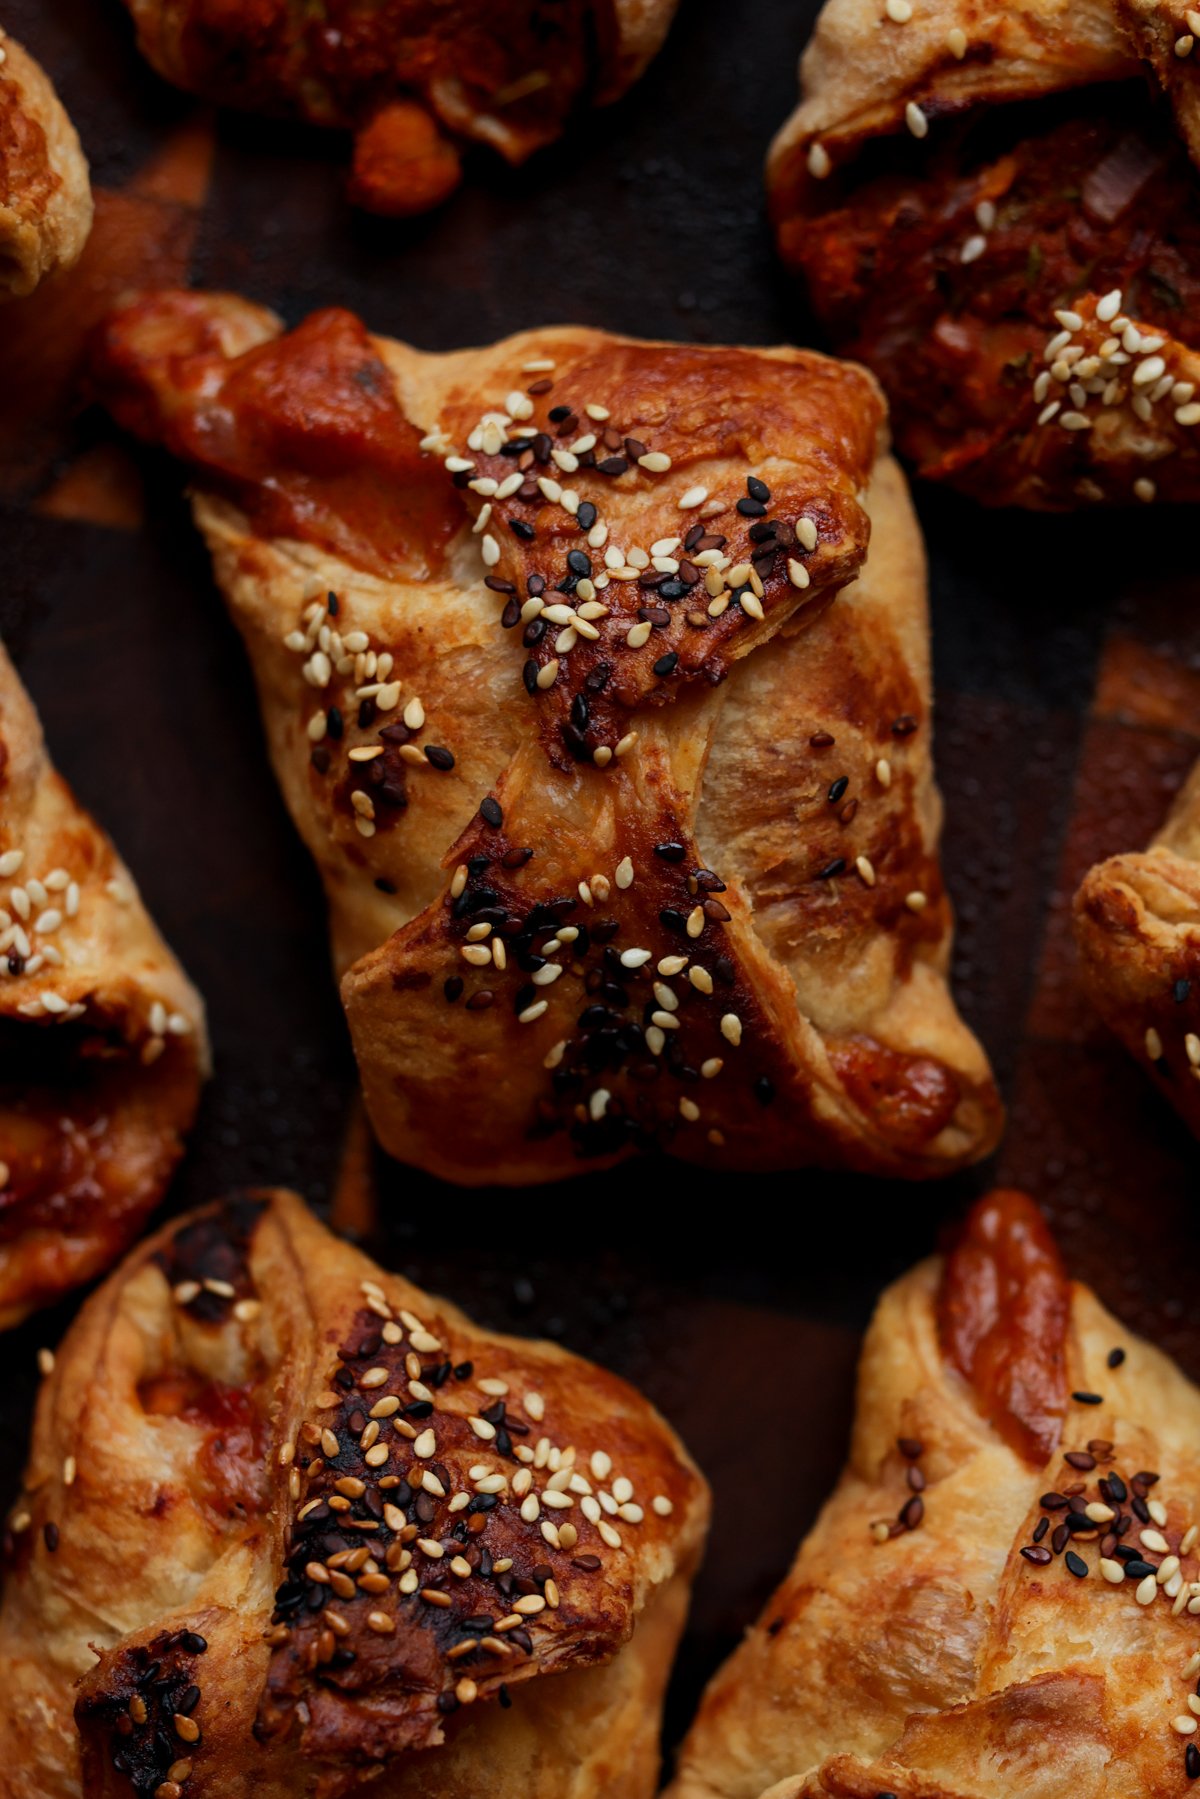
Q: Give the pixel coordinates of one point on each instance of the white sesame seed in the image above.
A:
(899, 11)
(731, 1028)
(638, 634)
(1154, 1541)
(635, 958)
(547, 675)
(1184, 45)
(1113, 1572)
(1108, 308)
(1145, 490)
(973, 249)
(1150, 370)
(489, 549)
(865, 869)
(1146, 1590)
(1189, 414)
(956, 42)
(1154, 1044)
(689, 1109)
(1075, 421)
(1183, 1725)
(11, 861)
(1070, 321)
(695, 496)
(916, 120)
(819, 165)
(533, 1012)
(655, 462)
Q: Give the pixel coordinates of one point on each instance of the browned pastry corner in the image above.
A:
(1137, 925)
(996, 207)
(413, 80)
(629, 831)
(45, 196)
(1001, 1597)
(293, 1528)
(102, 1040)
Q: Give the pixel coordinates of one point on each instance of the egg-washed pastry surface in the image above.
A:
(45, 195)
(1002, 1596)
(413, 80)
(292, 1527)
(1137, 926)
(997, 208)
(628, 827)
(102, 1039)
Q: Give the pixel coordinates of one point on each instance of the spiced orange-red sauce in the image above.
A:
(1003, 1312)
(911, 1098)
(303, 431)
(232, 1453)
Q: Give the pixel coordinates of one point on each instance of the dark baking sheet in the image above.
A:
(1067, 654)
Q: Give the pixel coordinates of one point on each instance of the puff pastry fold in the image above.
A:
(45, 195)
(292, 1527)
(628, 826)
(1137, 926)
(994, 209)
(1002, 1595)
(102, 1040)
(412, 79)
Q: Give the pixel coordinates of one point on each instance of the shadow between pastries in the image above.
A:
(102, 1039)
(45, 195)
(1002, 1595)
(1137, 927)
(291, 1529)
(997, 208)
(415, 81)
(625, 810)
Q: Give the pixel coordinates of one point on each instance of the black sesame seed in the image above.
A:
(440, 758)
(764, 1090)
(1137, 1569)
(831, 869)
(1180, 992)
(333, 722)
(667, 664)
(453, 988)
(491, 813)
(520, 529)
(911, 1448)
(758, 490)
(751, 508)
(1078, 1458)
(1033, 1553)
(612, 465)
(50, 1534)
(1088, 1398)
(579, 562)
(1191, 1762)
(529, 675)
(1076, 1564)
(838, 789)
(585, 516)
(912, 1513)
(670, 851)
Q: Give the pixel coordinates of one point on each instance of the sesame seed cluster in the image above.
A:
(1099, 362)
(38, 909)
(431, 1495)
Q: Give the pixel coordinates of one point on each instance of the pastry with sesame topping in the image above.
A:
(413, 81)
(611, 742)
(1137, 926)
(1002, 1596)
(997, 209)
(45, 194)
(292, 1528)
(103, 1047)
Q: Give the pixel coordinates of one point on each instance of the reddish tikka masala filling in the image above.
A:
(1103, 199)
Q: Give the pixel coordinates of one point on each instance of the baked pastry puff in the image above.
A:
(1001, 1596)
(45, 195)
(413, 80)
(628, 826)
(293, 1528)
(102, 1039)
(995, 204)
(1137, 926)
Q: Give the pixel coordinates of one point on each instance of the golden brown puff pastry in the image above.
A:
(410, 78)
(629, 834)
(102, 1040)
(995, 206)
(45, 196)
(1137, 925)
(1001, 1596)
(291, 1527)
